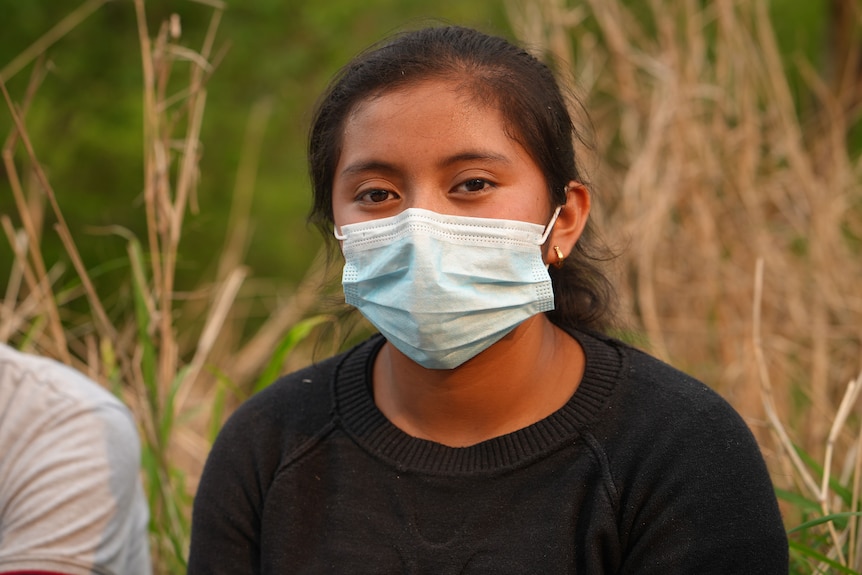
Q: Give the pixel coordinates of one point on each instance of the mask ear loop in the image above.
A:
(549, 227)
(338, 236)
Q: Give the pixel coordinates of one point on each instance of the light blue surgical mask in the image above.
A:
(443, 288)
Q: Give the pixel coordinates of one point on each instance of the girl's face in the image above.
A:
(434, 147)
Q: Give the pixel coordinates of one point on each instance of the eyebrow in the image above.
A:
(369, 166)
(467, 156)
(472, 155)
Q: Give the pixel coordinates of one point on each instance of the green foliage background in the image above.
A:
(86, 121)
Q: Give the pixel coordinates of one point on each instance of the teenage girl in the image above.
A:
(491, 426)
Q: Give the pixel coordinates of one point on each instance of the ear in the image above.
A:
(570, 223)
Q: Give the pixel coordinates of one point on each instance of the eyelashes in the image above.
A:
(372, 196)
(476, 185)
(376, 196)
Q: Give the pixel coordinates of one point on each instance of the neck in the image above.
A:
(521, 379)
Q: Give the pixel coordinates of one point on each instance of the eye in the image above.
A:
(475, 185)
(376, 196)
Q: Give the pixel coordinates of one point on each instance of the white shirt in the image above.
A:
(70, 492)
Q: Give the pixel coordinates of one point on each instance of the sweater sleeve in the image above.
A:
(254, 443)
(229, 500)
(694, 492)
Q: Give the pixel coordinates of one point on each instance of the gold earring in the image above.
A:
(560, 257)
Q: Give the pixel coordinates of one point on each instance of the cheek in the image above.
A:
(340, 219)
(344, 213)
(348, 212)
(340, 207)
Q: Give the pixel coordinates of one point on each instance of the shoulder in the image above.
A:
(658, 394)
(678, 422)
(71, 457)
(44, 383)
(295, 409)
(297, 403)
(691, 485)
(647, 390)
(660, 423)
(58, 409)
(267, 433)
(52, 404)
(641, 391)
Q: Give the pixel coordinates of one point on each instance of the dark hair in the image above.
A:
(527, 94)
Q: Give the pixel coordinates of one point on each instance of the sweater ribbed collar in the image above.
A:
(366, 424)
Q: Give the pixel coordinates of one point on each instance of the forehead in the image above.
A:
(446, 96)
(427, 109)
(420, 118)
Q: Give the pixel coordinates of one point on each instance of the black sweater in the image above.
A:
(645, 470)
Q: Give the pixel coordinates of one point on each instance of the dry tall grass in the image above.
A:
(706, 167)
(178, 360)
(703, 167)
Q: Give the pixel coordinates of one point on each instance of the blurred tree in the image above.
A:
(85, 121)
(276, 55)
